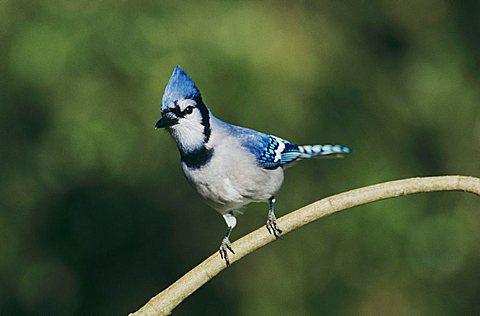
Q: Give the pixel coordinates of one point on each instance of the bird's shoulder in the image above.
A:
(270, 151)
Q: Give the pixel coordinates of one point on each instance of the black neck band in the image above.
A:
(207, 130)
(197, 158)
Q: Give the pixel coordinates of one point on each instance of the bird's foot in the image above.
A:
(272, 225)
(225, 246)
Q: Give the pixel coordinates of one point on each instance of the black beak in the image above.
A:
(166, 121)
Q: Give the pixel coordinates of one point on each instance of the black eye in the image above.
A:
(188, 109)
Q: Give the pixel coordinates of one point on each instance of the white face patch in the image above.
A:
(189, 132)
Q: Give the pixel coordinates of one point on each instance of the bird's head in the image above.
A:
(184, 114)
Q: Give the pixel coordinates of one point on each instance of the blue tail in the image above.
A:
(333, 151)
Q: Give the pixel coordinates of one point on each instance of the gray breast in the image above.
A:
(231, 178)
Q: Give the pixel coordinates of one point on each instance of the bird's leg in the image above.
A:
(272, 220)
(226, 246)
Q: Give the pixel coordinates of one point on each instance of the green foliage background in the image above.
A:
(96, 216)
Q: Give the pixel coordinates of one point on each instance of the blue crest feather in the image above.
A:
(180, 86)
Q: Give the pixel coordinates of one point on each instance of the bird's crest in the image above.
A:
(180, 86)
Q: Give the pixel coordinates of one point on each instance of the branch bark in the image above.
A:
(164, 302)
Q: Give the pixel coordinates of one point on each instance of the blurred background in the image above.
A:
(95, 213)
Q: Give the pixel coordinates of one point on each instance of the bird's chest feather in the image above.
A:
(231, 178)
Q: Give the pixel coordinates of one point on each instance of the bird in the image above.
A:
(229, 166)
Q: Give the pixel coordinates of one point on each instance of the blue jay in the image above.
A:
(229, 166)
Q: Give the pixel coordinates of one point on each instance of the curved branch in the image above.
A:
(168, 299)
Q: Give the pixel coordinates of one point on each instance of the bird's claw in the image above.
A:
(272, 226)
(225, 246)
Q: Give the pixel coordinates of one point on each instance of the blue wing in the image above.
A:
(277, 152)
(272, 152)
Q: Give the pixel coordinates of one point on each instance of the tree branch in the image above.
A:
(168, 299)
